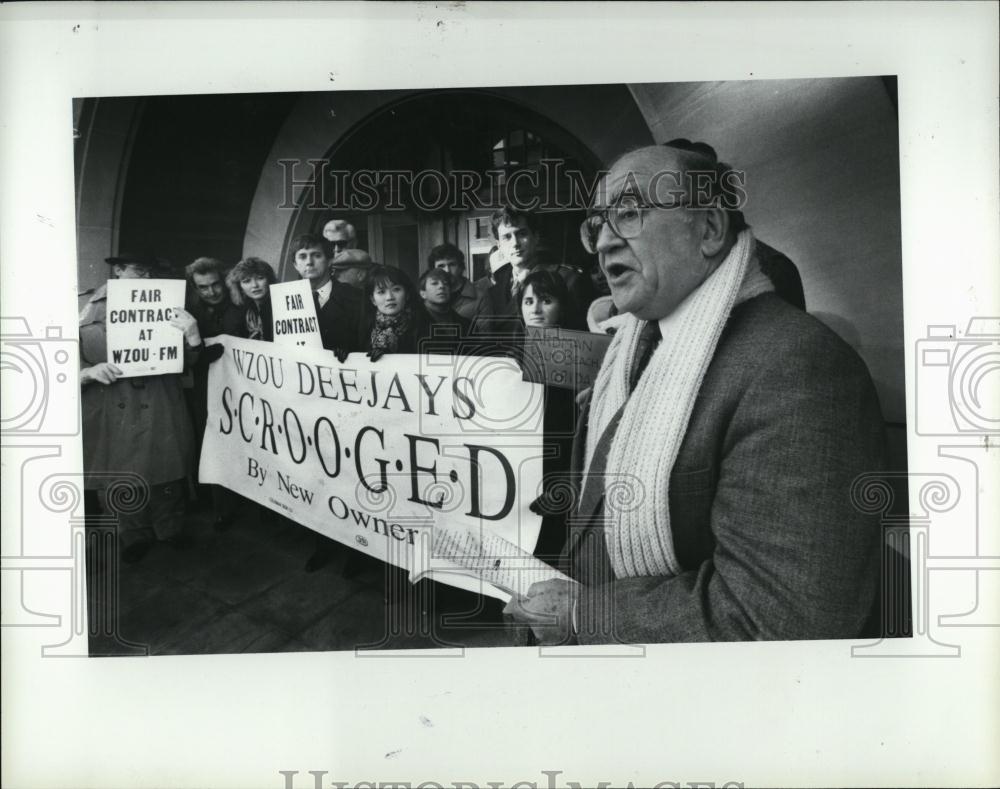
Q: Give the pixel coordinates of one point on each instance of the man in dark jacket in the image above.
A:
(466, 294)
(338, 306)
(436, 288)
(212, 308)
(215, 314)
(519, 244)
(338, 309)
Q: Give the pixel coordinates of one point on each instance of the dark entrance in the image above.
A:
(504, 145)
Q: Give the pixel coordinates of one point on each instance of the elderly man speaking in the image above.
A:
(720, 441)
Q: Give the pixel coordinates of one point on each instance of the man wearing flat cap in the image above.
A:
(349, 265)
(719, 444)
(136, 426)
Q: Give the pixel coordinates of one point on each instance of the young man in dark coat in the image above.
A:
(437, 291)
(338, 306)
(338, 310)
(519, 244)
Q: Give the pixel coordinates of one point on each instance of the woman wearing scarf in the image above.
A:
(395, 320)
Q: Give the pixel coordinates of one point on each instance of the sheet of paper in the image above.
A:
(564, 358)
(463, 551)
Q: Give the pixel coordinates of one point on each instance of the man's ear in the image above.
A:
(715, 232)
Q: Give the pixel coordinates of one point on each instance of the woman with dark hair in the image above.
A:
(546, 302)
(395, 320)
(250, 289)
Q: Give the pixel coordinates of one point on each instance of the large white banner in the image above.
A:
(141, 340)
(378, 455)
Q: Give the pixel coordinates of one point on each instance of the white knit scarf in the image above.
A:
(655, 419)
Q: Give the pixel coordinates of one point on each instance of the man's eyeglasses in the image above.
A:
(624, 218)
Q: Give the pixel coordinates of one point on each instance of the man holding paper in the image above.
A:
(720, 442)
(137, 425)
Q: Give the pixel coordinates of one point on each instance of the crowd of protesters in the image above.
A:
(153, 425)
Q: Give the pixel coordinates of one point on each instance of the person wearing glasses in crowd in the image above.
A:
(743, 420)
(136, 425)
(341, 235)
(348, 264)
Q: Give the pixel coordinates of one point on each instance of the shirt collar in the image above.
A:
(324, 292)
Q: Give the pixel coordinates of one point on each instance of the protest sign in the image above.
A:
(141, 340)
(373, 455)
(563, 358)
(294, 310)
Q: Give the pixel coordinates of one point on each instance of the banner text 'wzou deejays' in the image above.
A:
(326, 440)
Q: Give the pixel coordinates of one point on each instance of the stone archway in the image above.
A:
(104, 130)
(319, 123)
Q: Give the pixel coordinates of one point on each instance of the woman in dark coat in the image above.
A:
(546, 302)
(394, 320)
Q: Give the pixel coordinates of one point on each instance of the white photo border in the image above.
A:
(807, 713)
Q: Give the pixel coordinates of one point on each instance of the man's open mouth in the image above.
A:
(615, 270)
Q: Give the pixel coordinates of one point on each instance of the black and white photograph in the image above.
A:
(417, 477)
(476, 394)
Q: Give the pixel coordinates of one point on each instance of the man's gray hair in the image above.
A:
(341, 224)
